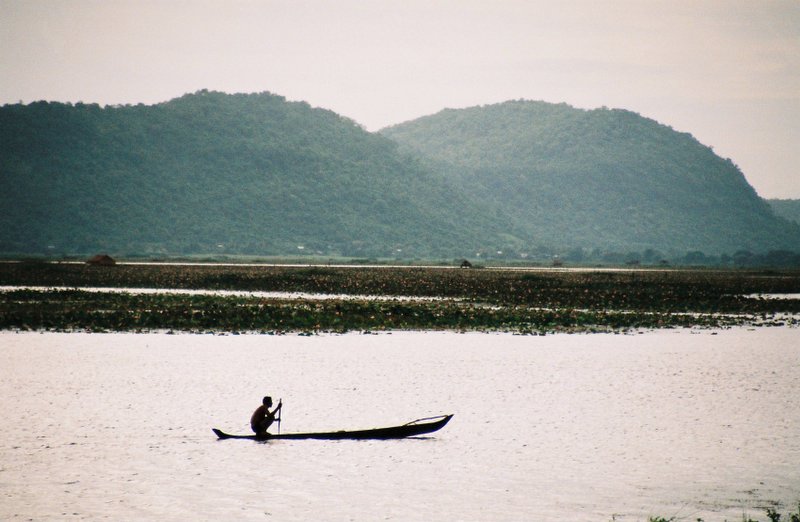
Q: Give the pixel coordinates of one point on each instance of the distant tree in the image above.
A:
(651, 256)
(784, 258)
(744, 258)
(633, 258)
(695, 257)
(614, 257)
(576, 255)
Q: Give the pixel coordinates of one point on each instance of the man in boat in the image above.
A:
(262, 418)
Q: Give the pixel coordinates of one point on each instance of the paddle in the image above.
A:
(280, 414)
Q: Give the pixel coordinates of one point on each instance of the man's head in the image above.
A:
(267, 401)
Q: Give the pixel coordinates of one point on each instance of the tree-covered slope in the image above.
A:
(211, 172)
(786, 208)
(607, 179)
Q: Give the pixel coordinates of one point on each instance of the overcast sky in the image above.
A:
(727, 71)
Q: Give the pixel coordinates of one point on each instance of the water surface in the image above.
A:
(562, 427)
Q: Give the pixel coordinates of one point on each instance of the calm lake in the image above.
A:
(565, 427)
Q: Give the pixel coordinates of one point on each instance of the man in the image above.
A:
(262, 418)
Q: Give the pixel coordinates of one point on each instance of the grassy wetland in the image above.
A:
(63, 297)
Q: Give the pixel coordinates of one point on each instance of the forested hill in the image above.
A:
(607, 179)
(220, 174)
(787, 208)
(212, 173)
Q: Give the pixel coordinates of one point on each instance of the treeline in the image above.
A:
(646, 258)
(745, 258)
(697, 258)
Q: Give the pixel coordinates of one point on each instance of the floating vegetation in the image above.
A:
(772, 515)
(473, 300)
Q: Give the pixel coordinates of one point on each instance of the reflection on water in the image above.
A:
(564, 427)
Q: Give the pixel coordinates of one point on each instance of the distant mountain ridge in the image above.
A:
(212, 173)
(607, 179)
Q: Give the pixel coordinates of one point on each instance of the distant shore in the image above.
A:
(518, 301)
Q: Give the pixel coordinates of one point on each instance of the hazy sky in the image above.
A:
(727, 71)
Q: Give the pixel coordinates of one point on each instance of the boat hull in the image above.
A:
(412, 429)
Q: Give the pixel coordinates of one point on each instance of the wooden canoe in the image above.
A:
(410, 429)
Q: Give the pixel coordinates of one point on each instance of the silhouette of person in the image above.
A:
(262, 418)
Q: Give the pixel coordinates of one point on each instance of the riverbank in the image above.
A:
(519, 301)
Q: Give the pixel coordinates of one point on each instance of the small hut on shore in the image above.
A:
(101, 260)
(466, 264)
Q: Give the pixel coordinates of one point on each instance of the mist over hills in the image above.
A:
(212, 173)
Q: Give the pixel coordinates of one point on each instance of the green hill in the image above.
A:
(786, 208)
(215, 173)
(606, 179)
(211, 174)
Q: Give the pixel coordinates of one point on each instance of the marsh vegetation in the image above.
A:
(469, 300)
